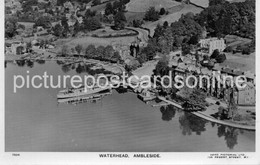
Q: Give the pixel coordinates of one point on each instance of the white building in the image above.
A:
(211, 44)
(15, 48)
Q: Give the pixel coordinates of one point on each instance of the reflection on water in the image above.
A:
(168, 112)
(120, 122)
(230, 134)
(190, 123)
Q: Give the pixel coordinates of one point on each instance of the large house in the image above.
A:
(211, 44)
(16, 48)
(246, 96)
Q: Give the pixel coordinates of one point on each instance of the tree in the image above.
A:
(109, 9)
(96, 2)
(246, 51)
(77, 27)
(165, 24)
(217, 2)
(20, 26)
(228, 49)
(10, 27)
(221, 58)
(57, 30)
(120, 20)
(215, 54)
(78, 48)
(64, 50)
(89, 13)
(162, 11)
(232, 108)
(193, 96)
(151, 15)
(116, 57)
(186, 49)
(150, 50)
(108, 52)
(72, 50)
(223, 18)
(162, 67)
(137, 23)
(165, 42)
(141, 58)
(27, 4)
(65, 26)
(91, 24)
(43, 21)
(100, 52)
(159, 31)
(194, 40)
(29, 45)
(90, 51)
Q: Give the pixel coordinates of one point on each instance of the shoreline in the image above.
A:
(103, 64)
(211, 119)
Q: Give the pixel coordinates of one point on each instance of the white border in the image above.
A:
(93, 158)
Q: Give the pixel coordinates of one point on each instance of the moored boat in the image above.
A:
(82, 91)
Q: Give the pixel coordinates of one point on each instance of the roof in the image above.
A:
(206, 71)
(249, 74)
(232, 71)
(248, 85)
(217, 67)
(227, 70)
(173, 63)
(183, 66)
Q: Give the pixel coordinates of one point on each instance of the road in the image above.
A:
(143, 34)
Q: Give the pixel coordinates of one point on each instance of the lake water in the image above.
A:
(34, 121)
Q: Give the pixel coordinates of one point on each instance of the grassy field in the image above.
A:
(242, 62)
(173, 16)
(143, 5)
(102, 6)
(107, 31)
(205, 3)
(27, 25)
(85, 41)
(202, 3)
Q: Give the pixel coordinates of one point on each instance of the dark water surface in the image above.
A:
(120, 122)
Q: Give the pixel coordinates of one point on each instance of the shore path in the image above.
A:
(209, 118)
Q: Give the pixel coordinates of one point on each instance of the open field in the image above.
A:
(143, 5)
(108, 32)
(102, 6)
(242, 62)
(205, 3)
(202, 3)
(85, 41)
(175, 16)
(27, 25)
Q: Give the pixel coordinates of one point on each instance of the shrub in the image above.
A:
(228, 49)
(221, 58)
(246, 51)
(162, 11)
(215, 54)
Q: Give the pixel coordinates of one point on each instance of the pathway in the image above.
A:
(209, 118)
